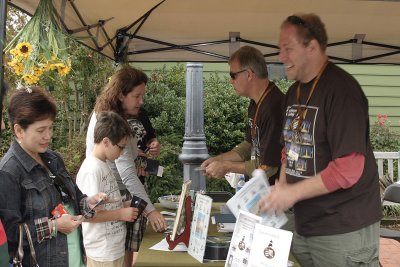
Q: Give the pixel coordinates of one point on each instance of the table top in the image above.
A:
(154, 258)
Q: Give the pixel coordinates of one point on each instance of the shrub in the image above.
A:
(382, 137)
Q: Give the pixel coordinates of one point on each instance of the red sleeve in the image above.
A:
(3, 237)
(343, 172)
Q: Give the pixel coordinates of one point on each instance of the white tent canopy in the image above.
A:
(359, 31)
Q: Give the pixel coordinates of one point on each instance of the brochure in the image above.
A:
(242, 238)
(199, 227)
(248, 197)
(270, 247)
(257, 245)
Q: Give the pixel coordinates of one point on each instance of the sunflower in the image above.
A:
(24, 49)
(38, 71)
(63, 69)
(30, 79)
(18, 68)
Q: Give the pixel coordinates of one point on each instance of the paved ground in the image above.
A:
(389, 253)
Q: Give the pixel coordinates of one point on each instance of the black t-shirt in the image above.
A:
(336, 124)
(268, 128)
(142, 128)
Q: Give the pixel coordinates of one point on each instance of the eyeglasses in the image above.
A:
(234, 74)
(299, 21)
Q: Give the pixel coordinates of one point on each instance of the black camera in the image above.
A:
(138, 203)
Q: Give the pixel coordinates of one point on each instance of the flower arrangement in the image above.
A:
(39, 47)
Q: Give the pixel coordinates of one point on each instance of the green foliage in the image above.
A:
(74, 154)
(225, 115)
(391, 210)
(283, 84)
(383, 138)
(165, 102)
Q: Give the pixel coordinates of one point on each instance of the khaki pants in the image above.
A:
(358, 248)
(116, 263)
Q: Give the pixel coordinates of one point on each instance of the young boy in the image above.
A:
(104, 235)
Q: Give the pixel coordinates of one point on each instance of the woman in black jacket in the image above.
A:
(34, 182)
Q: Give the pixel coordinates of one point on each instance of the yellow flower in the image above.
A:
(24, 49)
(18, 68)
(30, 79)
(38, 71)
(62, 69)
(13, 52)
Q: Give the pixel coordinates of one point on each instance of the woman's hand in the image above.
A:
(66, 224)
(157, 221)
(154, 148)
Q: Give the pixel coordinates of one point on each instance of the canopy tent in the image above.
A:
(360, 31)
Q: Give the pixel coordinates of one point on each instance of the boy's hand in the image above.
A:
(128, 214)
(97, 200)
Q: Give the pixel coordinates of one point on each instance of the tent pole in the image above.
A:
(3, 19)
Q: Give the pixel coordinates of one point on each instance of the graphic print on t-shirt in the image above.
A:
(255, 140)
(299, 141)
(139, 130)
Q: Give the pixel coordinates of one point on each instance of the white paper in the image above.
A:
(242, 238)
(199, 227)
(270, 247)
(248, 197)
(232, 178)
(163, 246)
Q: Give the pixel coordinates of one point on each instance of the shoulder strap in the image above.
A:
(32, 249)
(17, 260)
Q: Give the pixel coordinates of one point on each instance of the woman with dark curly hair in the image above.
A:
(124, 95)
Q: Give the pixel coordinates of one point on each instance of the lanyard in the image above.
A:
(265, 93)
(300, 114)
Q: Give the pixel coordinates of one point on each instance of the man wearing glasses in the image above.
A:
(328, 169)
(261, 148)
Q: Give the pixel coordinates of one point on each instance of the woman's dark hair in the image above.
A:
(122, 82)
(28, 105)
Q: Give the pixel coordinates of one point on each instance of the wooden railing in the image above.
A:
(390, 158)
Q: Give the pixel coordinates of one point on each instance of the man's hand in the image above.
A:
(157, 221)
(208, 162)
(217, 169)
(281, 198)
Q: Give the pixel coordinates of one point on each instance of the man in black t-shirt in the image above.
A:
(261, 148)
(328, 169)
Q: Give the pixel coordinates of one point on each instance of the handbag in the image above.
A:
(19, 255)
